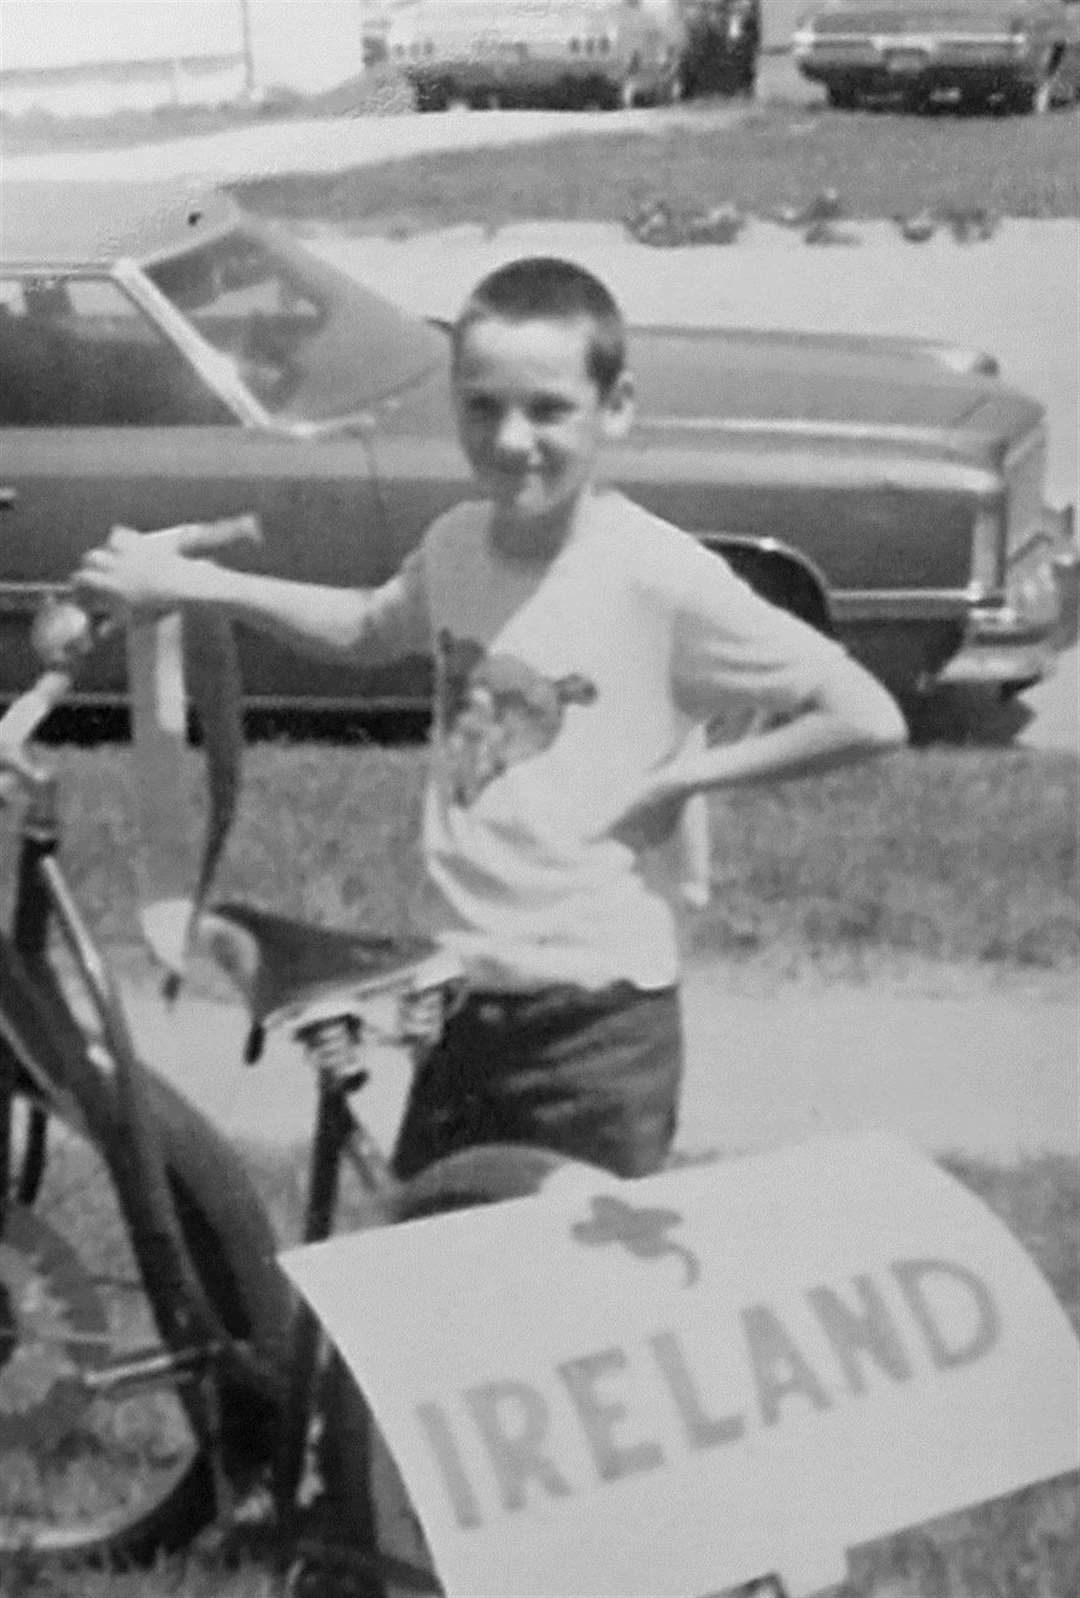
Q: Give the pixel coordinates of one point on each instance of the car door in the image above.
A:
(105, 421)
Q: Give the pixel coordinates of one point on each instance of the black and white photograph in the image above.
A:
(539, 798)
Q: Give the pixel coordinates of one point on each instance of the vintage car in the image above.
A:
(1009, 55)
(608, 53)
(168, 358)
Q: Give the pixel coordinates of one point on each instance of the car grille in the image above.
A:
(845, 49)
(871, 47)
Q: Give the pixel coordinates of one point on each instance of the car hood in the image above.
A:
(729, 375)
(698, 382)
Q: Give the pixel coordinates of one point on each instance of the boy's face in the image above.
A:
(532, 421)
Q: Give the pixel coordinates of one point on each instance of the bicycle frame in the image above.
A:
(47, 1058)
(144, 1132)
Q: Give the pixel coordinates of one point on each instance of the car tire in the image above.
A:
(432, 96)
(674, 90)
(1034, 99)
(628, 92)
(974, 103)
(841, 96)
(919, 101)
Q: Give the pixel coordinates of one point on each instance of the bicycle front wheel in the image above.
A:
(95, 1453)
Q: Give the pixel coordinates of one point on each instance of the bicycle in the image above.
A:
(155, 1367)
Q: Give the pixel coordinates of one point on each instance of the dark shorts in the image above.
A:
(593, 1075)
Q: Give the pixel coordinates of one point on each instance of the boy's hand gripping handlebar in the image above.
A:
(64, 633)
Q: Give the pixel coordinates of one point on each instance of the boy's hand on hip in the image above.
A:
(650, 818)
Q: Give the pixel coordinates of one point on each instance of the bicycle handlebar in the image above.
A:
(65, 633)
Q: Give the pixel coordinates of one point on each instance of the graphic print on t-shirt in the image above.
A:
(496, 710)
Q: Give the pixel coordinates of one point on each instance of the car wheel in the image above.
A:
(841, 96)
(627, 93)
(432, 96)
(1034, 99)
(744, 81)
(919, 101)
(973, 103)
(674, 88)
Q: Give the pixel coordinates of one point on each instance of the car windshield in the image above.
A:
(309, 343)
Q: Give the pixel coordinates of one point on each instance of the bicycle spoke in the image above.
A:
(75, 1464)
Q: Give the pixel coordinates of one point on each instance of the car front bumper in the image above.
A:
(534, 75)
(892, 63)
(1019, 640)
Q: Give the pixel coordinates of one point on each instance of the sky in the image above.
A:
(293, 41)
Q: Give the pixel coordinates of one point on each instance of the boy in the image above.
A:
(580, 643)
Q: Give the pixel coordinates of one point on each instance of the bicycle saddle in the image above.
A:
(285, 964)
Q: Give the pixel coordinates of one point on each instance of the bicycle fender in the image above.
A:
(488, 1174)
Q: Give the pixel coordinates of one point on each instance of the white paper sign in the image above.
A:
(673, 1385)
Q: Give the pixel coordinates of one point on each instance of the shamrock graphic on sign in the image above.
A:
(642, 1232)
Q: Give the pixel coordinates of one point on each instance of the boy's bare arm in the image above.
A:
(731, 640)
(130, 573)
(848, 717)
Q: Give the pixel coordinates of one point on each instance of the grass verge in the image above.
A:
(961, 856)
(883, 165)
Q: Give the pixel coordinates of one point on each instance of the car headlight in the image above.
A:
(987, 552)
(803, 37)
(1019, 37)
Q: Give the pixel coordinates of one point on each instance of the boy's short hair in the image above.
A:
(545, 288)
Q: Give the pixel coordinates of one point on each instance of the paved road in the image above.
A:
(992, 1074)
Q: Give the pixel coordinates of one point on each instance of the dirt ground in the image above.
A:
(961, 1067)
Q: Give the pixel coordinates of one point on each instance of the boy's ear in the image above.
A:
(619, 407)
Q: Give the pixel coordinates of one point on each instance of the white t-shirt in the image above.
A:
(560, 683)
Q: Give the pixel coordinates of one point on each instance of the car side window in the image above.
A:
(78, 352)
(249, 307)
